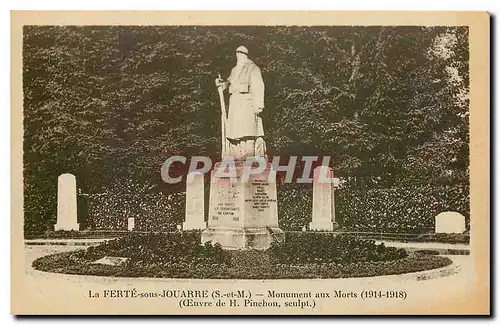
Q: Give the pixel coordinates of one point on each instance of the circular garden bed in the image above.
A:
(180, 255)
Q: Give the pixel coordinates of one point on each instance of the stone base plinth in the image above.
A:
(243, 212)
(243, 238)
(186, 225)
(67, 227)
(323, 226)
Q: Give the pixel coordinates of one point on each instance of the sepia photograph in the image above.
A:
(234, 166)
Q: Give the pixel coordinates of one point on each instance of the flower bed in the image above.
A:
(317, 248)
(181, 255)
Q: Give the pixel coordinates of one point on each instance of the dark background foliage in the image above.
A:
(110, 104)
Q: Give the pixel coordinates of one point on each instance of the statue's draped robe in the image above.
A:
(247, 95)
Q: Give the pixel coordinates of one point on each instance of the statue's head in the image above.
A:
(241, 53)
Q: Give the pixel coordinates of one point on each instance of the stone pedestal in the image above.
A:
(195, 202)
(66, 203)
(243, 214)
(323, 212)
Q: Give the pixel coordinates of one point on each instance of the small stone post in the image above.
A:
(323, 213)
(66, 203)
(195, 202)
(449, 223)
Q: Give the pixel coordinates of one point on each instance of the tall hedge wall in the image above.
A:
(396, 209)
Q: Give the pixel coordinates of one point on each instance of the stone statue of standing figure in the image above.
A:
(243, 126)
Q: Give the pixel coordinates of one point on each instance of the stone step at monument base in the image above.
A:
(67, 226)
(192, 225)
(243, 238)
(323, 226)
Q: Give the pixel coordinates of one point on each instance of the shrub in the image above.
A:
(182, 248)
(317, 248)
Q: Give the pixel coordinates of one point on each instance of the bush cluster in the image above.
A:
(318, 248)
(180, 249)
(363, 269)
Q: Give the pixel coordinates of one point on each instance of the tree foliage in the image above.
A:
(110, 103)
